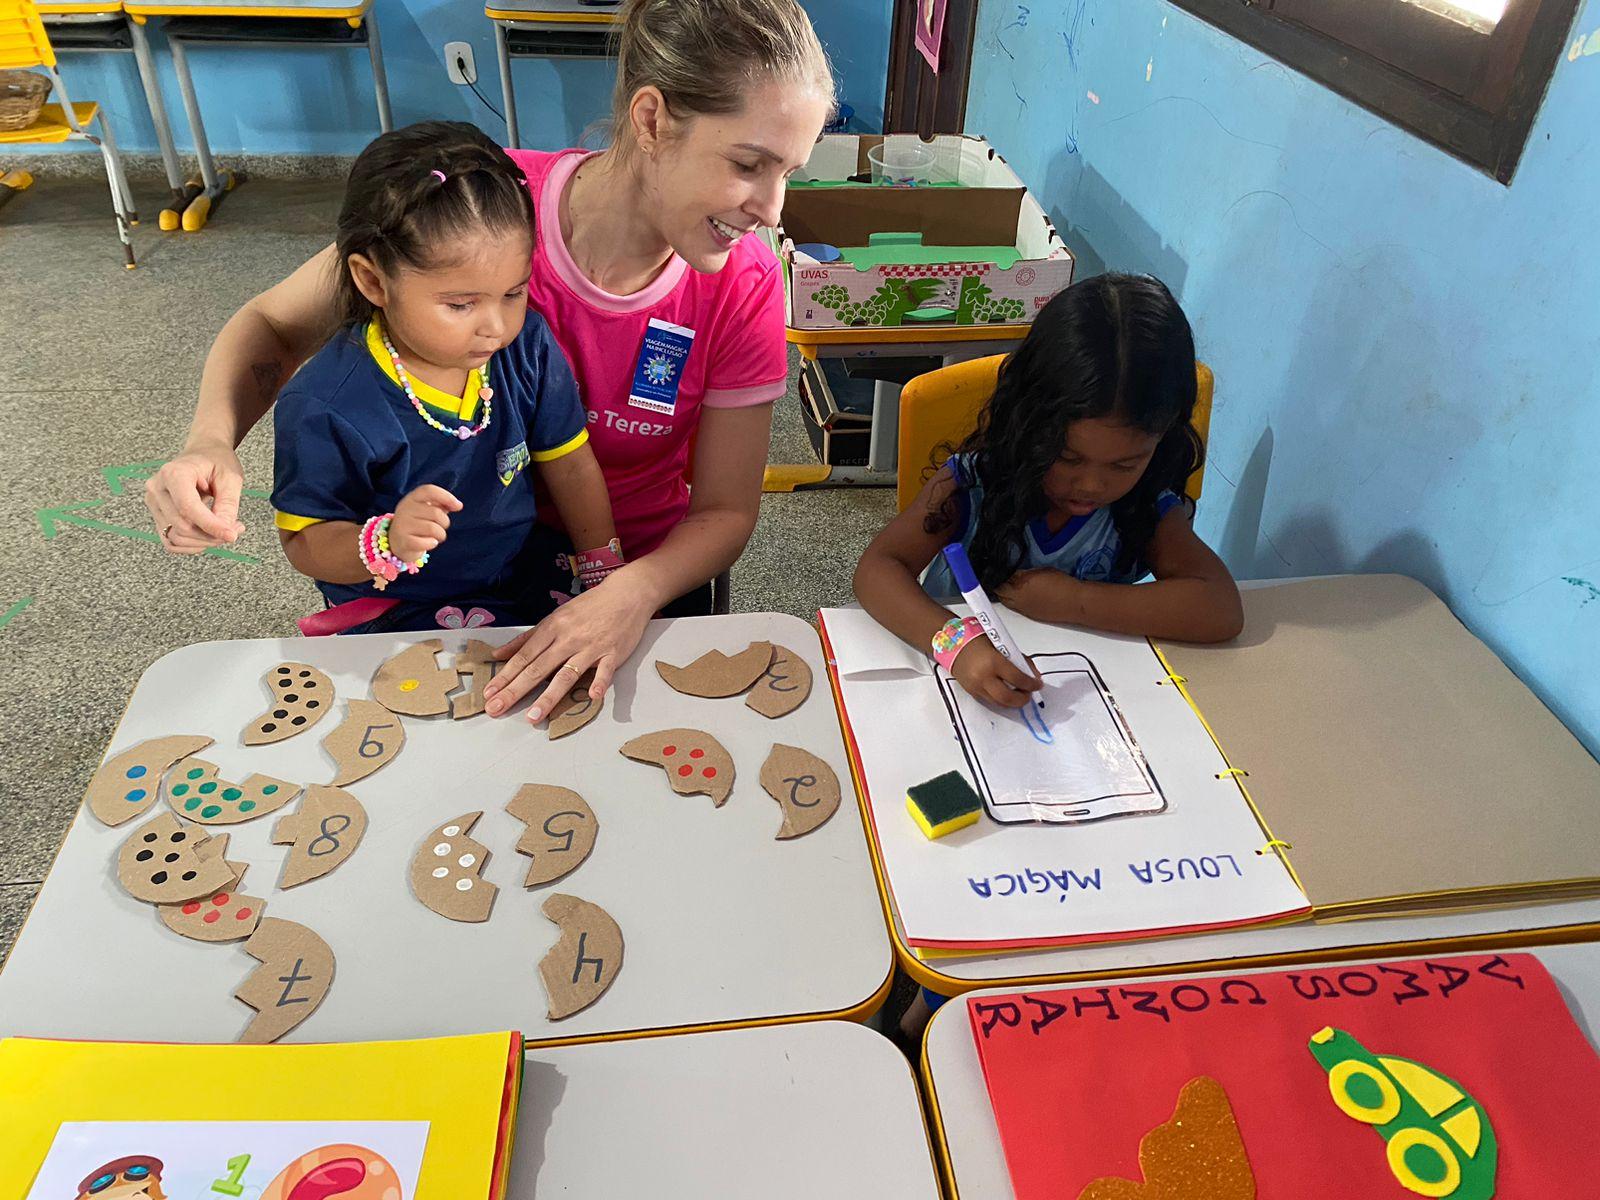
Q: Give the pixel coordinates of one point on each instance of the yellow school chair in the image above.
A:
(940, 408)
(23, 44)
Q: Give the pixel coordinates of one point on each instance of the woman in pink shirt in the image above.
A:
(671, 314)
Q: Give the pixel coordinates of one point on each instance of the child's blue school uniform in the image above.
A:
(350, 445)
(1086, 547)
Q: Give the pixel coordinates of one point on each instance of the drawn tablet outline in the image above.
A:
(1061, 813)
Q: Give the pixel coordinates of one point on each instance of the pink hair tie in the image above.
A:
(440, 174)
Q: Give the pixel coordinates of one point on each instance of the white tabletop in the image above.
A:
(788, 1111)
(955, 1079)
(722, 923)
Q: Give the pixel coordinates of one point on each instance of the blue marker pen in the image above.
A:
(972, 592)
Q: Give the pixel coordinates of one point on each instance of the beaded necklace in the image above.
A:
(462, 432)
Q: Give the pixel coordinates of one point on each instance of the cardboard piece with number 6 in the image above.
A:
(804, 786)
(325, 832)
(369, 737)
(576, 709)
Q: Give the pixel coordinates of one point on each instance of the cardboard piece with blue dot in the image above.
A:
(126, 785)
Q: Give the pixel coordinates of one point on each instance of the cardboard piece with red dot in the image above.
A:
(301, 696)
(224, 916)
(127, 783)
(695, 762)
(196, 794)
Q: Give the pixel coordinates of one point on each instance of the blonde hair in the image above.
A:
(705, 55)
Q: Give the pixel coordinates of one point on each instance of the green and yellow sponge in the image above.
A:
(943, 805)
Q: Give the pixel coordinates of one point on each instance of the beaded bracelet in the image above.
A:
(952, 637)
(591, 566)
(376, 557)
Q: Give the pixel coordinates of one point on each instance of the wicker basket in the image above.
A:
(22, 95)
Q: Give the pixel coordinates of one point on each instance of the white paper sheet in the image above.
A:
(225, 1160)
(1084, 764)
(1193, 865)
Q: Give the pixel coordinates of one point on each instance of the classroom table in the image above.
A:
(546, 29)
(723, 924)
(965, 1134)
(826, 1108)
(97, 26)
(1253, 948)
(255, 23)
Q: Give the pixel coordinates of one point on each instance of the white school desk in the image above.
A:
(786, 1112)
(723, 925)
(1258, 947)
(968, 1141)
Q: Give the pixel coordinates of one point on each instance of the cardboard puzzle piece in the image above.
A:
(585, 960)
(160, 863)
(783, 687)
(574, 710)
(216, 846)
(560, 834)
(325, 832)
(301, 696)
(412, 682)
(127, 784)
(695, 762)
(1439, 1141)
(195, 792)
(224, 916)
(475, 660)
(805, 787)
(368, 738)
(446, 872)
(714, 674)
(295, 974)
(342, 1171)
(1197, 1153)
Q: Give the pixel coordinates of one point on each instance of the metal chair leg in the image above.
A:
(503, 51)
(119, 176)
(194, 217)
(380, 78)
(113, 166)
(158, 108)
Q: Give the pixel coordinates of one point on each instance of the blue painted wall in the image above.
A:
(315, 101)
(1406, 351)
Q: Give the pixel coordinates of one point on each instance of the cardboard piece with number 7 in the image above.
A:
(325, 832)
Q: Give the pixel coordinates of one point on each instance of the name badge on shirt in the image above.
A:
(659, 371)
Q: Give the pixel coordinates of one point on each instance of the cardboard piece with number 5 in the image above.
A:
(804, 786)
(325, 832)
(369, 737)
(560, 834)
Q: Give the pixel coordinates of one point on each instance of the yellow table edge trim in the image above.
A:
(109, 8)
(947, 1169)
(554, 18)
(954, 987)
(348, 12)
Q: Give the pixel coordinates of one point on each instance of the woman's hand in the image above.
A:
(598, 628)
(987, 675)
(421, 522)
(194, 499)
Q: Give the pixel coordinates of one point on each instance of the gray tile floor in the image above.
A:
(98, 369)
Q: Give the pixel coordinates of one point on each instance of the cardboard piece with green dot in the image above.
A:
(127, 783)
(196, 794)
(944, 804)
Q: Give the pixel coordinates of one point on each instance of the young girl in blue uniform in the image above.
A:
(1067, 493)
(406, 447)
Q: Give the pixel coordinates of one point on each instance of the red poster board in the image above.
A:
(1078, 1076)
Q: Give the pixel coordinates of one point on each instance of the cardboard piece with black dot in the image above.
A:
(160, 863)
(301, 696)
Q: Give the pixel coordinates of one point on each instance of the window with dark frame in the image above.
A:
(1466, 75)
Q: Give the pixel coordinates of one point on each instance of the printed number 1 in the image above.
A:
(231, 1185)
